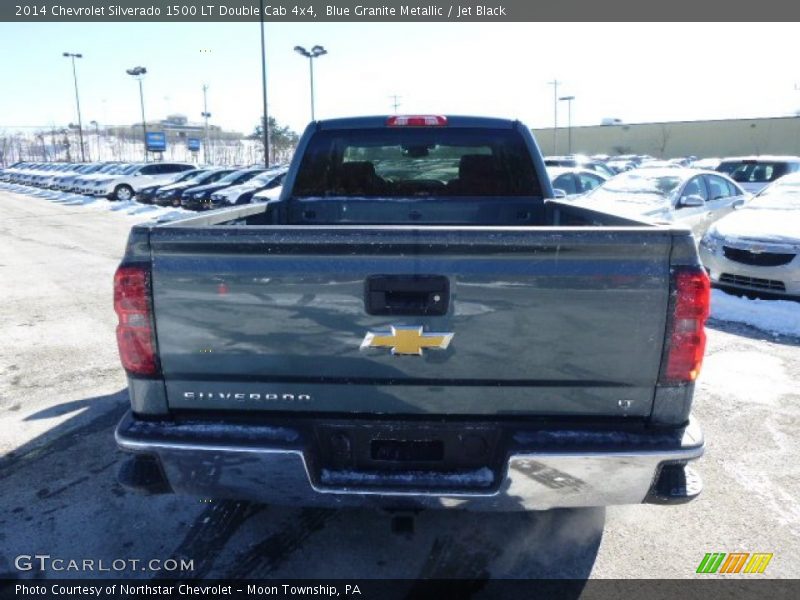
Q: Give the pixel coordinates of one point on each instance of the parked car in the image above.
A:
(757, 247)
(122, 186)
(754, 173)
(708, 164)
(268, 195)
(412, 324)
(84, 183)
(575, 181)
(243, 193)
(25, 175)
(199, 198)
(44, 179)
(8, 173)
(171, 195)
(147, 194)
(64, 181)
(655, 163)
(577, 160)
(683, 196)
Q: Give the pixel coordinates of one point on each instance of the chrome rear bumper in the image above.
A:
(273, 465)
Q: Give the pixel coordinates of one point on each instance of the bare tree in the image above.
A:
(666, 133)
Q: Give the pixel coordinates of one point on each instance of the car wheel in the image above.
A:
(123, 193)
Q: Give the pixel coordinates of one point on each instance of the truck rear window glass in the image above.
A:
(403, 162)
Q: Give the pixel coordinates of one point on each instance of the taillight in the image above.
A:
(135, 335)
(416, 121)
(687, 337)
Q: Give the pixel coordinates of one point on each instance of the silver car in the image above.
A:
(688, 197)
(757, 247)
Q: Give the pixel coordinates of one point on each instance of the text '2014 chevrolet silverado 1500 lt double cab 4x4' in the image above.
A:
(415, 322)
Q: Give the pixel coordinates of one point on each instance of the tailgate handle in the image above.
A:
(407, 295)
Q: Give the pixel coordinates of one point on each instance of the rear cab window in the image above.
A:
(409, 162)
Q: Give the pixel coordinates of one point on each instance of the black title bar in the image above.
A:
(311, 11)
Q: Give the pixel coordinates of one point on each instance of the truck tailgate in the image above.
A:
(540, 321)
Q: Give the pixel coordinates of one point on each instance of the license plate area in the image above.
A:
(407, 450)
(434, 456)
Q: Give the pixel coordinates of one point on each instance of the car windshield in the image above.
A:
(265, 178)
(190, 174)
(194, 177)
(237, 176)
(636, 182)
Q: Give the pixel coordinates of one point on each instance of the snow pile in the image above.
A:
(778, 317)
(129, 208)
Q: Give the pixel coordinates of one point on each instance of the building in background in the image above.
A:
(727, 137)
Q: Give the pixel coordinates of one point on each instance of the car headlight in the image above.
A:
(711, 241)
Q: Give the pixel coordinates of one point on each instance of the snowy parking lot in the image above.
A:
(62, 391)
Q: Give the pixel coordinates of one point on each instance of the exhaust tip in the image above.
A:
(675, 484)
(142, 474)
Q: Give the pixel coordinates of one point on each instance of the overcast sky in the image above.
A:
(637, 72)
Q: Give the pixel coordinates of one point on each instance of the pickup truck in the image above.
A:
(415, 322)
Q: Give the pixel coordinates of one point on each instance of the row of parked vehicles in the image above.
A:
(162, 183)
(744, 212)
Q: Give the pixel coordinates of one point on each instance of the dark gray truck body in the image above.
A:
(548, 392)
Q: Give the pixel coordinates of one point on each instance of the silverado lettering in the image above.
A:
(249, 396)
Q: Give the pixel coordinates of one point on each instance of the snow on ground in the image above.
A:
(130, 208)
(778, 317)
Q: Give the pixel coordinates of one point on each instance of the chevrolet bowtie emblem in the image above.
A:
(406, 340)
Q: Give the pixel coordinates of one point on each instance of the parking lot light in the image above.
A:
(139, 73)
(568, 100)
(315, 52)
(73, 56)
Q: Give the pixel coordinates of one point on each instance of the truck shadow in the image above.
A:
(61, 498)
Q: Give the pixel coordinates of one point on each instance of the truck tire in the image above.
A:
(123, 193)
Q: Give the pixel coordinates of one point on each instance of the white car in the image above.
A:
(676, 195)
(266, 195)
(122, 186)
(757, 247)
(84, 184)
(245, 192)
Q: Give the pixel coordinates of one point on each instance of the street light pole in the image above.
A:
(315, 52)
(555, 83)
(77, 98)
(138, 73)
(568, 100)
(206, 115)
(266, 132)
